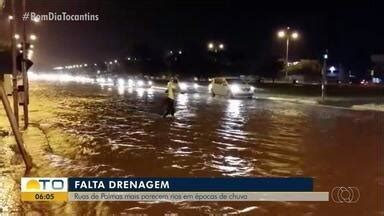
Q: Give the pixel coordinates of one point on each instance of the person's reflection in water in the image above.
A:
(172, 89)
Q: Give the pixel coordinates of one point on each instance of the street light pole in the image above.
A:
(215, 48)
(286, 57)
(287, 34)
(323, 76)
(14, 70)
(24, 71)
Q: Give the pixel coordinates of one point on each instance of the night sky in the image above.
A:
(350, 31)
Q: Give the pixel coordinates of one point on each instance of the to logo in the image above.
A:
(44, 184)
(345, 194)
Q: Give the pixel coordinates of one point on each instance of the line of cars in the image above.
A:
(219, 86)
(190, 87)
(130, 82)
(231, 87)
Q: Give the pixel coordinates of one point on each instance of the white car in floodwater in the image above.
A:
(230, 87)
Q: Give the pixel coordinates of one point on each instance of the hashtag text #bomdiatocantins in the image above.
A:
(59, 16)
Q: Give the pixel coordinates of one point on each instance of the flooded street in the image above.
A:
(122, 134)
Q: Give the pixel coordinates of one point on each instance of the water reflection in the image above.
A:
(150, 93)
(120, 90)
(234, 108)
(130, 90)
(182, 99)
(196, 95)
(232, 166)
(230, 162)
(140, 92)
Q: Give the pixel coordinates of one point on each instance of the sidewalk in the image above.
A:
(12, 167)
(45, 141)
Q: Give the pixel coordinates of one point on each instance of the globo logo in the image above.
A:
(345, 194)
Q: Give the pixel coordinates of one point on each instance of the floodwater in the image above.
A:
(122, 134)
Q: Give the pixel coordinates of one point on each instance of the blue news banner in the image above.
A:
(170, 189)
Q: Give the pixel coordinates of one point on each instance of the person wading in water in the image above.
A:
(172, 89)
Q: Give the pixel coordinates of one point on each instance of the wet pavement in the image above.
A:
(117, 132)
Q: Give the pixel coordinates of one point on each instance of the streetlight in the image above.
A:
(295, 35)
(211, 46)
(17, 36)
(287, 34)
(281, 34)
(32, 37)
(10, 17)
(215, 47)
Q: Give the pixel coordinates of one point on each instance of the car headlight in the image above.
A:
(252, 89)
(121, 82)
(183, 86)
(195, 85)
(100, 80)
(130, 82)
(140, 83)
(235, 88)
(150, 83)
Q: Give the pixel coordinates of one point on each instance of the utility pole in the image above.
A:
(24, 71)
(14, 70)
(286, 55)
(323, 75)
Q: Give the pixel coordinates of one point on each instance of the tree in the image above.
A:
(271, 68)
(309, 69)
